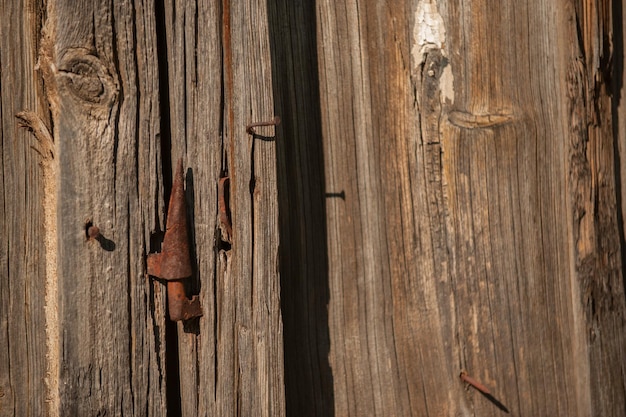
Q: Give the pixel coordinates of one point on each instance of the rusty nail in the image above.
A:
(174, 262)
(93, 232)
(480, 387)
(250, 128)
(483, 390)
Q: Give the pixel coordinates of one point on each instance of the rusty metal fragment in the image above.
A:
(173, 263)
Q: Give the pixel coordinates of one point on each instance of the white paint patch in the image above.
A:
(429, 32)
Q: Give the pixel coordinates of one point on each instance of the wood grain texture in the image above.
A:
(22, 255)
(593, 177)
(448, 181)
(460, 244)
(254, 206)
(110, 70)
(219, 78)
(104, 100)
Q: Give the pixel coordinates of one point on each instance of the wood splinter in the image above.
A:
(223, 209)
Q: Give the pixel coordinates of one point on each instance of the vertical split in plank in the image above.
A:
(303, 198)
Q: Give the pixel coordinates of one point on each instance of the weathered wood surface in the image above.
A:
(101, 80)
(130, 88)
(479, 229)
(446, 174)
(22, 258)
(219, 68)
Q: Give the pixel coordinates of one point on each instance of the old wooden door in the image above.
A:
(444, 194)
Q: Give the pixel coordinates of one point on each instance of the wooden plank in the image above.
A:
(103, 92)
(22, 258)
(480, 231)
(506, 191)
(594, 210)
(219, 79)
(454, 248)
(191, 34)
(619, 118)
(254, 207)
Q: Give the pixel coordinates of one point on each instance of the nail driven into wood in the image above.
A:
(483, 390)
(480, 387)
(250, 128)
(93, 232)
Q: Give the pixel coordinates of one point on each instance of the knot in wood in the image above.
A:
(87, 78)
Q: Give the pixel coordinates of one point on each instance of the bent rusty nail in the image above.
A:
(483, 390)
(174, 262)
(250, 128)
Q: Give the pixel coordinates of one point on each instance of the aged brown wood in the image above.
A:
(22, 259)
(100, 75)
(220, 81)
(110, 70)
(448, 175)
(254, 206)
(479, 229)
(593, 90)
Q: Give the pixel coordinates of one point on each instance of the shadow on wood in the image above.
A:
(302, 204)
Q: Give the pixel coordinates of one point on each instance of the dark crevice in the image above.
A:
(164, 97)
(172, 375)
(130, 293)
(252, 185)
(120, 97)
(616, 84)
(138, 94)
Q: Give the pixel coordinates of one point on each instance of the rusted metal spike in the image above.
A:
(180, 307)
(174, 261)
